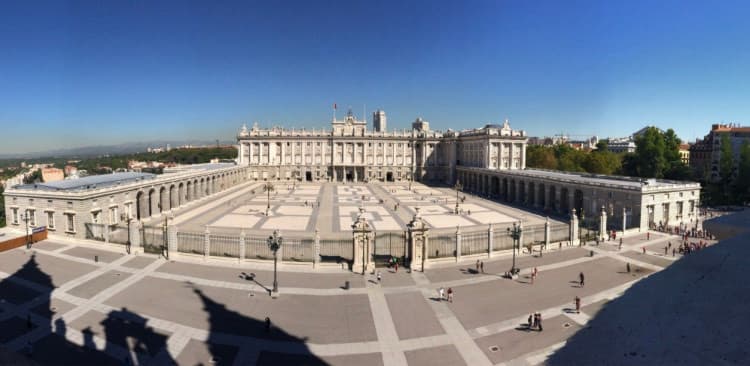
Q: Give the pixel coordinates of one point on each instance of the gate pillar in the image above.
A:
(362, 238)
(418, 242)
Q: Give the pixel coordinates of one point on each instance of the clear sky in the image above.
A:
(84, 73)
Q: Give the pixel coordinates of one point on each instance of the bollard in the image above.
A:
(346, 285)
(96, 258)
(591, 253)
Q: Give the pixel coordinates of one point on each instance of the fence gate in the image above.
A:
(153, 239)
(336, 250)
(387, 245)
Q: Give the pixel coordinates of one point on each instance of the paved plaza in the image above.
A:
(61, 306)
(333, 207)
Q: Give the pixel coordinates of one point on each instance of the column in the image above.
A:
(250, 153)
(458, 243)
(418, 245)
(206, 243)
(624, 220)
(546, 232)
(316, 249)
(573, 227)
(523, 156)
(242, 246)
(135, 238)
(171, 238)
(510, 157)
(603, 224)
(490, 241)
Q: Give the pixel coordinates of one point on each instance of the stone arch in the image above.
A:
(532, 193)
(542, 196)
(506, 192)
(163, 199)
(181, 194)
(174, 197)
(552, 194)
(141, 205)
(495, 190)
(564, 200)
(152, 202)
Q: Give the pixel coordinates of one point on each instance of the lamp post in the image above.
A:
(268, 188)
(274, 243)
(458, 186)
(26, 219)
(127, 219)
(515, 234)
(581, 241)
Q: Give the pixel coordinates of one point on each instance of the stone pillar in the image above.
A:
(520, 238)
(172, 239)
(135, 238)
(361, 235)
(206, 243)
(418, 242)
(546, 232)
(624, 220)
(574, 240)
(490, 241)
(316, 249)
(242, 246)
(458, 243)
(603, 224)
(106, 233)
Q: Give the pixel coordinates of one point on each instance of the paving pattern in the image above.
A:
(332, 208)
(58, 303)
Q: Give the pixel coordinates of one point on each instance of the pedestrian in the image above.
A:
(627, 267)
(580, 279)
(578, 305)
(529, 321)
(536, 271)
(379, 277)
(648, 236)
(644, 250)
(673, 251)
(477, 265)
(481, 266)
(441, 293)
(395, 264)
(450, 294)
(533, 276)
(669, 244)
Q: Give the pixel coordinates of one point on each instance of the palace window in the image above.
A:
(71, 220)
(14, 215)
(32, 217)
(51, 220)
(95, 216)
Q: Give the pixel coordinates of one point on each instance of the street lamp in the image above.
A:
(127, 219)
(274, 243)
(457, 187)
(26, 219)
(515, 234)
(268, 187)
(165, 234)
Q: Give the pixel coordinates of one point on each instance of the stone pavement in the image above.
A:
(145, 310)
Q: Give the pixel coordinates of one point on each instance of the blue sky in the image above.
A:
(85, 73)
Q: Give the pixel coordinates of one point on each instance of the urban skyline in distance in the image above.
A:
(120, 73)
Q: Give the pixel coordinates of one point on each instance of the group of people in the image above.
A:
(535, 321)
(442, 294)
(689, 247)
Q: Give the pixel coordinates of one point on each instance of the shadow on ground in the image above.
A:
(33, 326)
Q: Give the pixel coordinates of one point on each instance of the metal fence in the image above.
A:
(194, 243)
(336, 250)
(501, 240)
(95, 231)
(442, 246)
(559, 232)
(153, 239)
(474, 242)
(257, 248)
(118, 234)
(224, 245)
(298, 250)
(387, 245)
(533, 234)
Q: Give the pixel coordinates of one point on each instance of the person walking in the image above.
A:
(450, 294)
(395, 264)
(580, 279)
(673, 251)
(441, 293)
(477, 266)
(644, 250)
(539, 321)
(578, 305)
(627, 267)
(530, 325)
(481, 266)
(379, 277)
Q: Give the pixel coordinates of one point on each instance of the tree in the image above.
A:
(34, 177)
(726, 165)
(540, 157)
(602, 146)
(742, 186)
(649, 154)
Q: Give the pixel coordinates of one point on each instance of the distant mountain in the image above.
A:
(121, 149)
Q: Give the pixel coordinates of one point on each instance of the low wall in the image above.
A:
(21, 241)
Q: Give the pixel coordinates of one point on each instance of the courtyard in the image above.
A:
(88, 303)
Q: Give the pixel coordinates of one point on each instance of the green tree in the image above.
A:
(742, 186)
(726, 165)
(542, 157)
(649, 158)
(602, 146)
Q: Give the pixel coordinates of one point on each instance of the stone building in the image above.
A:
(705, 154)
